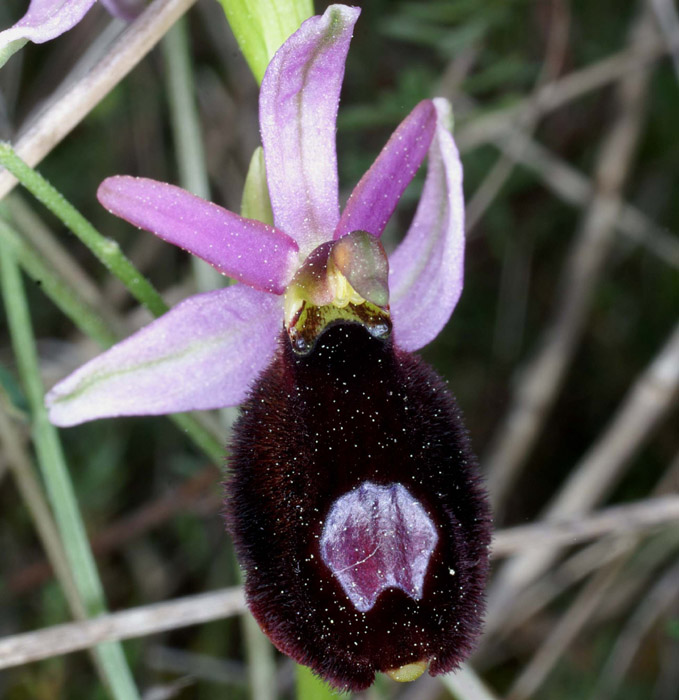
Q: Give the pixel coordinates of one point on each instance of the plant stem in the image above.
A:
(87, 320)
(56, 476)
(71, 105)
(106, 250)
(29, 487)
(310, 687)
(58, 256)
(186, 130)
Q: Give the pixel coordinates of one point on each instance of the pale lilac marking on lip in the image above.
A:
(378, 537)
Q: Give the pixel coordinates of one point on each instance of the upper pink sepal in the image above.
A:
(427, 269)
(247, 250)
(297, 114)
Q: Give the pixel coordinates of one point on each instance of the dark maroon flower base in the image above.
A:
(358, 419)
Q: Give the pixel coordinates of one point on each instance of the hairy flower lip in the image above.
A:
(316, 427)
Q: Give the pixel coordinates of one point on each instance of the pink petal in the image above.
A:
(375, 197)
(247, 250)
(297, 112)
(45, 20)
(202, 354)
(427, 269)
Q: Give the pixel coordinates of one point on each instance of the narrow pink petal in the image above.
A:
(45, 20)
(297, 113)
(125, 9)
(202, 354)
(427, 269)
(247, 250)
(375, 197)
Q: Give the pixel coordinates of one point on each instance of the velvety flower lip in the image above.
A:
(47, 19)
(357, 513)
(298, 107)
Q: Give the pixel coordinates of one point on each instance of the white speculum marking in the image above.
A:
(378, 537)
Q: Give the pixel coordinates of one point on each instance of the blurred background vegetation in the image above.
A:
(566, 116)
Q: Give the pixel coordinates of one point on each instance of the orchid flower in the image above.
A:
(353, 496)
(47, 19)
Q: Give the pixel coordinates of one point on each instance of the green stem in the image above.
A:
(201, 436)
(311, 687)
(56, 476)
(55, 287)
(186, 129)
(58, 256)
(106, 250)
(187, 134)
(30, 489)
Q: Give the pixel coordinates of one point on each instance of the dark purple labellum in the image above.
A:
(356, 509)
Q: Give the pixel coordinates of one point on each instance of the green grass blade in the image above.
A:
(56, 476)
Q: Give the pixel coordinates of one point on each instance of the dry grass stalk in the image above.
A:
(563, 633)
(68, 109)
(30, 489)
(541, 379)
(656, 602)
(668, 25)
(136, 622)
(482, 129)
(618, 520)
(527, 118)
(647, 401)
(465, 684)
(575, 188)
(583, 562)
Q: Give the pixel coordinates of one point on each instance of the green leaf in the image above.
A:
(14, 397)
(256, 203)
(261, 26)
(8, 50)
(311, 687)
(57, 476)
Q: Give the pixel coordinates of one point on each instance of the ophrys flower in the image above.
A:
(353, 496)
